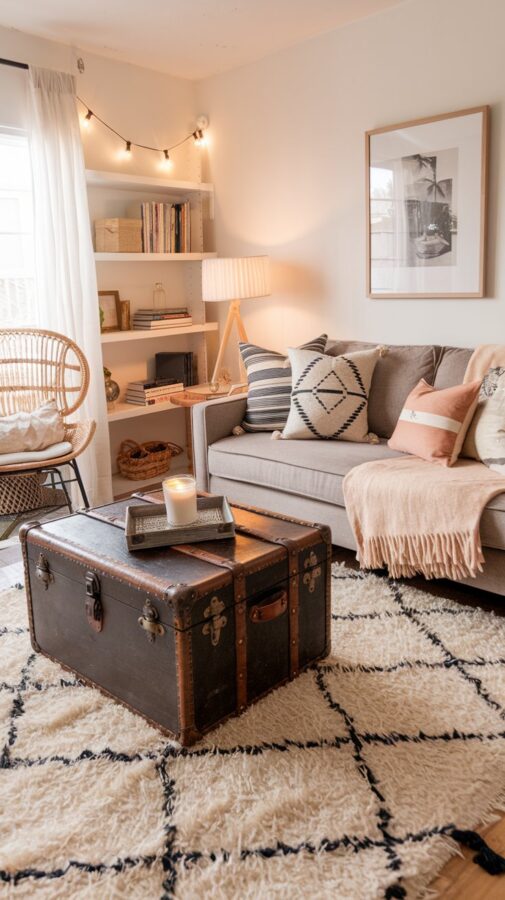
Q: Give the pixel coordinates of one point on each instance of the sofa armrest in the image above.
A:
(211, 421)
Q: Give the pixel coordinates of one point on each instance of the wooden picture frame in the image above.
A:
(110, 307)
(426, 234)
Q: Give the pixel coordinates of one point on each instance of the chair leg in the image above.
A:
(75, 467)
(65, 491)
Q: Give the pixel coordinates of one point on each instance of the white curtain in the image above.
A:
(65, 279)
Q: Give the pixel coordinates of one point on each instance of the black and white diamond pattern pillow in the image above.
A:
(269, 380)
(329, 398)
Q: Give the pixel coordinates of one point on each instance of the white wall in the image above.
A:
(146, 106)
(287, 159)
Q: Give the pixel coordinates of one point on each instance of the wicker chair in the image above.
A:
(36, 366)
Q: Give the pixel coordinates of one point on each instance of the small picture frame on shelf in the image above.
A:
(110, 311)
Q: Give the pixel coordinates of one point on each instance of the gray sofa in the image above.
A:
(304, 478)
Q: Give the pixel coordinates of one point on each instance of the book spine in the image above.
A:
(164, 311)
(172, 229)
(143, 317)
(152, 392)
(154, 326)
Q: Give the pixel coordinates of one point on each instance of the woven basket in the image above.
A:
(20, 493)
(139, 461)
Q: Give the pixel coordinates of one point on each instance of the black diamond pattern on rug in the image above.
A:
(346, 783)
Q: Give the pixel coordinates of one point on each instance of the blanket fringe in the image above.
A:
(455, 555)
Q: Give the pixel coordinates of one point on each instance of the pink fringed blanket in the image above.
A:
(414, 516)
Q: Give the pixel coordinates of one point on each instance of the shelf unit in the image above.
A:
(146, 184)
(121, 337)
(133, 410)
(110, 194)
(152, 257)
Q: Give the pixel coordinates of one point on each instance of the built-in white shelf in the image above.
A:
(152, 257)
(122, 485)
(124, 410)
(116, 337)
(143, 183)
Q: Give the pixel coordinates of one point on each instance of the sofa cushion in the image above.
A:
(433, 424)
(395, 375)
(316, 469)
(451, 367)
(308, 468)
(329, 398)
(269, 379)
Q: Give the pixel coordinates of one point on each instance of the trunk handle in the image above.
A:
(270, 608)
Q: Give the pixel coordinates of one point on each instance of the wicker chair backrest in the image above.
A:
(38, 365)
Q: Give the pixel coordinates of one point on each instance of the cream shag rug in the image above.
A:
(344, 784)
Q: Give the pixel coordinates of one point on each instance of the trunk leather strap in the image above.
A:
(239, 596)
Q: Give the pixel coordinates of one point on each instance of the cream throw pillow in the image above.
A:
(34, 430)
(485, 439)
(329, 398)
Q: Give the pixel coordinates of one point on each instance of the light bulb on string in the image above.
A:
(126, 152)
(86, 120)
(166, 162)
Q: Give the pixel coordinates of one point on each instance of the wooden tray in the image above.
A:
(147, 526)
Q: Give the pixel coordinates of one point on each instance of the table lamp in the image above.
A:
(236, 279)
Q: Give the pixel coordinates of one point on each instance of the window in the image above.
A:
(17, 258)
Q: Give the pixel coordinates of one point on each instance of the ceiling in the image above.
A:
(188, 38)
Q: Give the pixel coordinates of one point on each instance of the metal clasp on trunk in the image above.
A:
(93, 604)
(311, 577)
(43, 571)
(149, 621)
(217, 621)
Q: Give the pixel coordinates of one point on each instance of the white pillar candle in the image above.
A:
(180, 499)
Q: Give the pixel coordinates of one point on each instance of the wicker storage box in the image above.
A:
(139, 461)
(118, 235)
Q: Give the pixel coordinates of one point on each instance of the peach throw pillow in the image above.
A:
(433, 424)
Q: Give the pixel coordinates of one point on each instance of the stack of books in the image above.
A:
(179, 365)
(148, 319)
(149, 393)
(166, 227)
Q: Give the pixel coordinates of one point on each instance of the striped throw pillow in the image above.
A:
(269, 380)
(433, 423)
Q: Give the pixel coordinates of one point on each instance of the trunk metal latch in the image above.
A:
(93, 605)
(43, 571)
(149, 621)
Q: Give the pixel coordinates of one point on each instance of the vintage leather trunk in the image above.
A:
(186, 636)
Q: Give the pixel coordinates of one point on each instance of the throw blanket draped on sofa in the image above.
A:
(414, 516)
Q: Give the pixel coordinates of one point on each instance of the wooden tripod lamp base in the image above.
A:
(234, 279)
(232, 317)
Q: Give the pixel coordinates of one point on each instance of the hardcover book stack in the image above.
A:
(150, 393)
(166, 227)
(179, 365)
(160, 319)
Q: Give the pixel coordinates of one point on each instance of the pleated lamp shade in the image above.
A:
(240, 278)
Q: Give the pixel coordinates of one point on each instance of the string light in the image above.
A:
(86, 122)
(166, 162)
(198, 136)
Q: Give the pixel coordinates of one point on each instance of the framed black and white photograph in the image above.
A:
(426, 207)
(110, 310)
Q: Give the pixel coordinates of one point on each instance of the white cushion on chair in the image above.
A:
(28, 431)
(34, 456)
